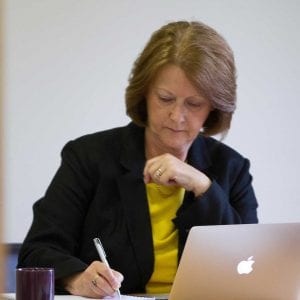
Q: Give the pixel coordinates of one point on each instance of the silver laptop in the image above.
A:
(238, 262)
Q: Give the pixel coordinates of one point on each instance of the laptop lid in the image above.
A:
(253, 261)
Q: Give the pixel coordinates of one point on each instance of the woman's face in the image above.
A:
(176, 111)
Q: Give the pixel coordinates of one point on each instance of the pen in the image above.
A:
(102, 255)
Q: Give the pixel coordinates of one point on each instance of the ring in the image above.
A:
(94, 282)
(158, 172)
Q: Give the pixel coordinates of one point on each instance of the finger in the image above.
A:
(153, 163)
(153, 173)
(156, 170)
(95, 287)
(110, 277)
(119, 276)
(94, 281)
(156, 167)
(168, 177)
(147, 178)
(157, 173)
(102, 279)
(101, 287)
(149, 167)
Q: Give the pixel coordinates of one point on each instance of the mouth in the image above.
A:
(175, 130)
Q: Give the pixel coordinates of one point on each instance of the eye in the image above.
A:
(165, 98)
(194, 104)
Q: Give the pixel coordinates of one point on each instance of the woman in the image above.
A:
(140, 188)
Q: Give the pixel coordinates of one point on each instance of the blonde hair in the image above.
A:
(206, 59)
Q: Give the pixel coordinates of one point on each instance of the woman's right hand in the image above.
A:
(97, 281)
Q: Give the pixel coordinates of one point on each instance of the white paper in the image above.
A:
(125, 297)
(71, 297)
(116, 297)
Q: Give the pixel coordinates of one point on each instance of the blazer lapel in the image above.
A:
(133, 195)
(198, 155)
(199, 158)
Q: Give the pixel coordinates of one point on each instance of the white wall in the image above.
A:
(67, 64)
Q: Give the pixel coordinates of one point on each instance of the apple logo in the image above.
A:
(245, 266)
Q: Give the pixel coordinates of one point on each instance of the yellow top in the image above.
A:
(163, 202)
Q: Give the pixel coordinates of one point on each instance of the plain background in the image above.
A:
(1, 148)
(66, 69)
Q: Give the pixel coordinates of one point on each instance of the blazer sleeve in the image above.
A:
(54, 237)
(230, 200)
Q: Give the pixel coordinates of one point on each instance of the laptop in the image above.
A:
(239, 262)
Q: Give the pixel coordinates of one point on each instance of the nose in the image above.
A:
(177, 113)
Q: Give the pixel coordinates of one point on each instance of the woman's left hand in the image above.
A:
(167, 169)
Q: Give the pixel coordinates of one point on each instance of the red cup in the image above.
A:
(35, 284)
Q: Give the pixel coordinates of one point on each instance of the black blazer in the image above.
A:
(98, 191)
